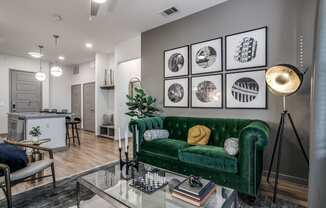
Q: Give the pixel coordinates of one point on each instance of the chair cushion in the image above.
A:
(210, 157)
(13, 157)
(169, 147)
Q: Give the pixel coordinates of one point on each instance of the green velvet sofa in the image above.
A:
(242, 172)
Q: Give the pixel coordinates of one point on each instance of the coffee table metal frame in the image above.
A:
(120, 203)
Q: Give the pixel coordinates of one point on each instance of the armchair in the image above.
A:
(10, 179)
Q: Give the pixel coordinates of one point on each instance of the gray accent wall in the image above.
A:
(286, 20)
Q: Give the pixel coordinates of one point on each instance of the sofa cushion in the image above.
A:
(170, 147)
(210, 157)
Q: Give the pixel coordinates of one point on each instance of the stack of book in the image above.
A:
(197, 196)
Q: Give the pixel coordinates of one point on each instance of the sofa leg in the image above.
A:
(249, 200)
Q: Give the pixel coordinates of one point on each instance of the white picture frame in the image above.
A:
(176, 62)
(246, 49)
(207, 91)
(246, 90)
(206, 56)
(176, 93)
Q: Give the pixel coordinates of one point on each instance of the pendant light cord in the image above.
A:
(56, 37)
(41, 47)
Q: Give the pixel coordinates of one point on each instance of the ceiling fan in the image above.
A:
(102, 7)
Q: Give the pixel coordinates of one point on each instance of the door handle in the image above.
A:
(13, 107)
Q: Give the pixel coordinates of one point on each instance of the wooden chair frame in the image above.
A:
(6, 186)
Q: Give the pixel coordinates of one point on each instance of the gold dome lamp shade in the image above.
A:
(283, 79)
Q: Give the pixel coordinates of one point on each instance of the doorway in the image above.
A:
(89, 106)
(76, 100)
(25, 92)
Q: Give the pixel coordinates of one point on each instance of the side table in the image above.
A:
(36, 155)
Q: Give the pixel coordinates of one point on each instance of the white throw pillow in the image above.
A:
(152, 134)
(231, 146)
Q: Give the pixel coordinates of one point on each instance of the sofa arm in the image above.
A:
(253, 139)
(142, 125)
(257, 132)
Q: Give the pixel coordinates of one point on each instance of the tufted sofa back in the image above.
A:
(221, 128)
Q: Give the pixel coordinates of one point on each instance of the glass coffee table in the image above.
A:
(109, 188)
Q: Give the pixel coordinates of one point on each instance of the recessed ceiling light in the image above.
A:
(61, 58)
(35, 54)
(99, 1)
(89, 45)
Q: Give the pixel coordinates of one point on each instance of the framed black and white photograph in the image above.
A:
(207, 91)
(246, 49)
(246, 90)
(176, 62)
(206, 57)
(176, 93)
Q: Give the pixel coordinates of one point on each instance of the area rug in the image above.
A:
(64, 196)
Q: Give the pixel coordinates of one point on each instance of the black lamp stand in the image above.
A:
(278, 145)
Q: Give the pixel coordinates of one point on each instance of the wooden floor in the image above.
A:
(96, 151)
(289, 191)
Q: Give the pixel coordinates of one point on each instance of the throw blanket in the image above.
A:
(12, 156)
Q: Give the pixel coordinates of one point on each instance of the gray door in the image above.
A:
(89, 107)
(25, 92)
(76, 100)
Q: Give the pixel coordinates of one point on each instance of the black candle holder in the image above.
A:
(128, 163)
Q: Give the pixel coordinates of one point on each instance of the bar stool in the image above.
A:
(73, 124)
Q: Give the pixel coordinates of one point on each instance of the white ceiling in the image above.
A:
(26, 23)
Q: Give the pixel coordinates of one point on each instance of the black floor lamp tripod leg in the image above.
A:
(278, 147)
(279, 152)
(298, 138)
(275, 146)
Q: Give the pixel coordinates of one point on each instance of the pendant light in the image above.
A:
(40, 76)
(56, 70)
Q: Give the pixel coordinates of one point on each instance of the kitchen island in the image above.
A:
(52, 126)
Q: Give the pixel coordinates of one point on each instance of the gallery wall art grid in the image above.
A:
(199, 67)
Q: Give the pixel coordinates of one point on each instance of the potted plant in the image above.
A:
(35, 133)
(141, 105)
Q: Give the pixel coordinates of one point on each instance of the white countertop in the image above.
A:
(36, 115)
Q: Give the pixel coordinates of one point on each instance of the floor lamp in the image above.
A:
(283, 80)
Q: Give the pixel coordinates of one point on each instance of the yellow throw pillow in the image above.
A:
(198, 134)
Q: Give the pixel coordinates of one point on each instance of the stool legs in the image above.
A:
(77, 133)
(74, 132)
(67, 135)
